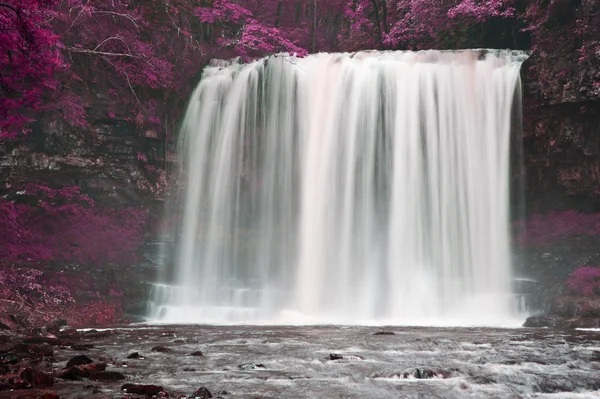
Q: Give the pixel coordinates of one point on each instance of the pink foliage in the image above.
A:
(585, 281)
(65, 225)
(543, 229)
(29, 59)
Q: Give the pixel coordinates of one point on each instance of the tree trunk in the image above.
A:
(278, 15)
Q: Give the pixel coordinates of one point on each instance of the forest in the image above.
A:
(91, 93)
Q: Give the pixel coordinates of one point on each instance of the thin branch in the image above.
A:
(127, 16)
(116, 37)
(102, 53)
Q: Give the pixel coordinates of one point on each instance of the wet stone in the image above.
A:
(135, 355)
(422, 373)
(78, 361)
(37, 378)
(72, 373)
(161, 349)
(201, 393)
(540, 321)
(384, 333)
(44, 350)
(197, 353)
(82, 347)
(142, 389)
(107, 376)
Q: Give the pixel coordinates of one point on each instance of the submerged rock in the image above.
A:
(197, 353)
(338, 356)
(422, 373)
(384, 333)
(249, 366)
(160, 348)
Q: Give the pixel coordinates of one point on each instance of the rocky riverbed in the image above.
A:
(301, 362)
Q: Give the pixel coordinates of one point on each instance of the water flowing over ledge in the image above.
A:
(347, 188)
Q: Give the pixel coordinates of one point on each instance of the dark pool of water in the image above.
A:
(475, 362)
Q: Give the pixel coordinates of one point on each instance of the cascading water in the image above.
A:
(347, 188)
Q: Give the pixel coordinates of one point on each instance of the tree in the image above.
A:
(29, 60)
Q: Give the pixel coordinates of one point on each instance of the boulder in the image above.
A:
(78, 361)
(540, 321)
(197, 353)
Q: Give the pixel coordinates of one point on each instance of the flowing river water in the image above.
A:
(349, 362)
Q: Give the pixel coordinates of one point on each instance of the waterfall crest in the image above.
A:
(347, 188)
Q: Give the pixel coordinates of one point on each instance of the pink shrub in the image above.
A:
(585, 281)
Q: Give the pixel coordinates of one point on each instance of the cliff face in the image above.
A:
(561, 145)
(561, 113)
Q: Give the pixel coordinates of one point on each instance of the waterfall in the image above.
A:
(347, 188)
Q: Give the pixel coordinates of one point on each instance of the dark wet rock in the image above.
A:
(60, 323)
(35, 350)
(201, 393)
(95, 334)
(189, 369)
(107, 376)
(540, 321)
(4, 369)
(423, 373)
(384, 333)
(197, 353)
(338, 356)
(4, 326)
(249, 366)
(78, 361)
(88, 369)
(72, 374)
(161, 349)
(45, 340)
(37, 378)
(69, 333)
(179, 341)
(580, 322)
(149, 390)
(9, 358)
(82, 347)
(222, 392)
(135, 355)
